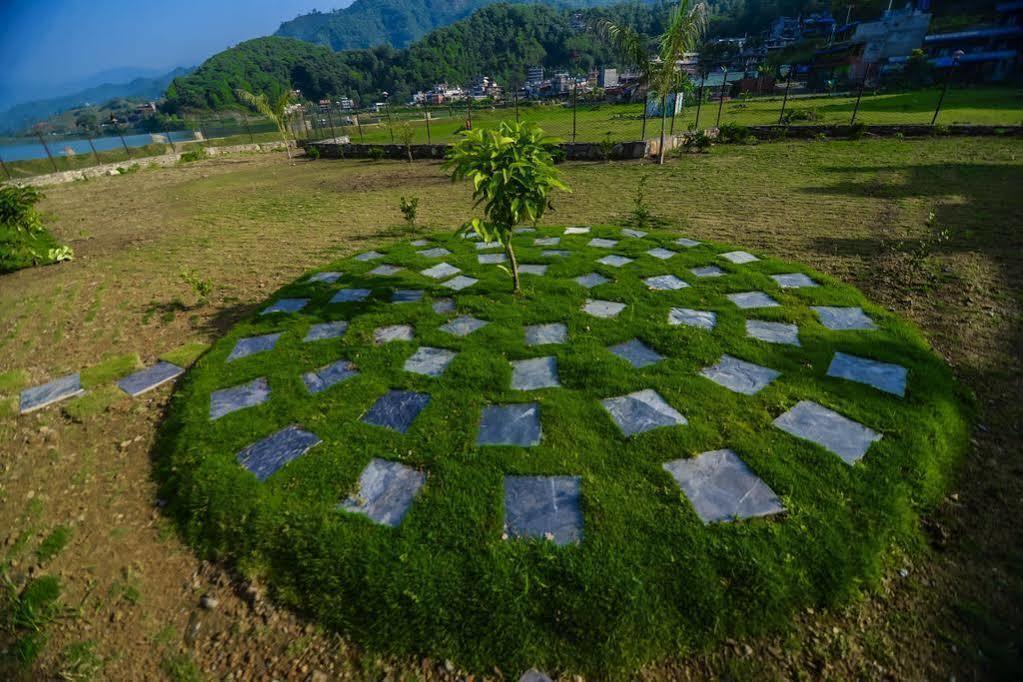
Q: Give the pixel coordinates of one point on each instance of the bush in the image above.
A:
(806, 115)
(732, 132)
(409, 208)
(376, 153)
(24, 242)
(312, 153)
(192, 155)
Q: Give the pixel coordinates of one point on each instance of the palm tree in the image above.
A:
(276, 111)
(686, 24)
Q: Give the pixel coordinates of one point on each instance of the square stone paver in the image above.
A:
(701, 319)
(523, 230)
(385, 271)
(577, 230)
(491, 258)
(252, 345)
(517, 424)
(642, 411)
(740, 376)
(228, 400)
(324, 277)
(665, 283)
(554, 253)
(636, 353)
(393, 332)
(603, 309)
(460, 282)
(884, 376)
(547, 241)
(844, 319)
(463, 326)
(430, 361)
(535, 373)
(351, 295)
(533, 269)
(749, 300)
(635, 234)
(794, 280)
(368, 256)
(739, 257)
(707, 271)
(149, 378)
(440, 271)
(599, 243)
(285, 305)
(614, 260)
(484, 246)
(591, 280)
(325, 377)
(326, 330)
(266, 457)
(38, 397)
(396, 410)
(543, 334)
(407, 296)
(773, 332)
(420, 242)
(661, 254)
(386, 492)
(848, 439)
(686, 242)
(442, 306)
(543, 507)
(435, 252)
(721, 487)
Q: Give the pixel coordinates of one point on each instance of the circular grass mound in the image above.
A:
(657, 443)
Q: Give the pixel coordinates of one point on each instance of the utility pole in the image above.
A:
(956, 56)
(721, 99)
(788, 83)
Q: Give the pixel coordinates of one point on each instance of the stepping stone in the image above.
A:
(534, 675)
(577, 230)
(253, 345)
(793, 280)
(149, 378)
(407, 296)
(661, 254)
(440, 271)
(636, 353)
(266, 457)
(707, 271)
(883, 376)
(749, 300)
(460, 282)
(545, 507)
(591, 280)
(285, 305)
(535, 373)
(554, 253)
(642, 411)
(665, 283)
(470, 235)
(773, 332)
(740, 376)
(848, 439)
(547, 241)
(517, 424)
(228, 400)
(325, 277)
(543, 334)
(368, 256)
(721, 487)
(386, 492)
(420, 242)
(491, 258)
(325, 377)
(385, 271)
(393, 332)
(326, 330)
(442, 306)
(463, 326)
(599, 243)
(533, 269)
(843, 319)
(435, 252)
(636, 234)
(351, 295)
(430, 361)
(739, 257)
(615, 261)
(38, 397)
(701, 319)
(396, 410)
(523, 230)
(603, 309)
(483, 246)
(687, 243)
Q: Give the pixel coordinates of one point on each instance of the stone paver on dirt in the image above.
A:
(62, 388)
(149, 378)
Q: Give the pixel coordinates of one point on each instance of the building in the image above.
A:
(607, 78)
(990, 53)
(895, 34)
(346, 103)
(534, 75)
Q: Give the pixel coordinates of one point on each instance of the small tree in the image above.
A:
(406, 133)
(513, 176)
(276, 111)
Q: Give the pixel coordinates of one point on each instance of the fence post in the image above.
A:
(93, 148)
(515, 99)
(45, 147)
(330, 117)
(575, 106)
(699, 101)
(245, 120)
(674, 112)
(358, 124)
(426, 115)
(859, 95)
(785, 99)
(721, 99)
(4, 166)
(120, 134)
(468, 109)
(948, 79)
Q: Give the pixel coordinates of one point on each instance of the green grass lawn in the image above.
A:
(649, 579)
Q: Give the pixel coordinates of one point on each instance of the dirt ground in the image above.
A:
(947, 609)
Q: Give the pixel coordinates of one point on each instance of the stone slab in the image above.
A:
(440, 271)
(884, 376)
(491, 258)
(661, 254)
(547, 241)
(325, 331)
(848, 439)
(443, 306)
(614, 260)
(740, 376)
(635, 234)
(599, 243)
(554, 253)
(324, 277)
(430, 361)
(750, 300)
(636, 353)
(435, 252)
(793, 280)
(543, 334)
(533, 269)
(707, 271)
(844, 319)
(543, 507)
(701, 319)
(686, 242)
(252, 345)
(722, 488)
(577, 230)
(386, 492)
(463, 325)
(460, 282)
(385, 271)
(484, 246)
(325, 377)
(393, 332)
(285, 305)
(396, 410)
(517, 424)
(523, 230)
(642, 411)
(773, 332)
(665, 283)
(407, 296)
(368, 256)
(420, 242)
(351, 296)
(266, 457)
(535, 373)
(62, 388)
(591, 280)
(228, 400)
(603, 309)
(149, 378)
(739, 257)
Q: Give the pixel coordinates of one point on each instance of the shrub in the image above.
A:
(192, 155)
(312, 152)
(408, 209)
(24, 242)
(857, 130)
(202, 287)
(810, 115)
(376, 153)
(606, 147)
(698, 143)
(732, 132)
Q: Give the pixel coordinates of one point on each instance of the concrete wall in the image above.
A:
(580, 151)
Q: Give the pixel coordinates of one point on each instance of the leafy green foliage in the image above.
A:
(80, 662)
(201, 287)
(53, 544)
(192, 155)
(275, 109)
(24, 241)
(409, 208)
(25, 615)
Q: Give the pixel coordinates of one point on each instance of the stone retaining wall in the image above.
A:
(580, 151)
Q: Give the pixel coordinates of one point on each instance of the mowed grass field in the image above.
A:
(855, 210)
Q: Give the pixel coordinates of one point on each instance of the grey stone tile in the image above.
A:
(463, 326)
(543, 334)
(533, 269)
(722, 488)
(534, 675)
(701, 319)
(471, 236)
(435, 252)
(386, 492)
(773, 332)
(517, 424)
(554, 253)
(396, 410)
(740, 376)
(266, 457)
(440, 271)
(635, 234)
(661, 254)
(485, 246)
(326, 330)
(149, 378)
(793, 280)
(393, 332)
(707, 271)
(547, 241)
(642, 411)
(884, 376)
(324, 277)
(325, 377)
(252, 345)
(420, 242)
(577, 230)
(749, 300)
(351, 295)
(599, 243)
(603, 309)
(491, 258)
(848, 439)
(614, 260)
(535, 373)
(844, 319)
(460, 282)
(407, 296)
(739, 257)
(38, 397)
(591, 280)
(385, 271)
(285, 305)
(636, 353)
(369, 255)
(686, 242)
(665, 283)
(523, 230)
(228, 400)
(546, 507)
(442, 306)
(430, 361)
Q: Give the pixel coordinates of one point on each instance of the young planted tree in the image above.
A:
(512, 174)
(275, 110)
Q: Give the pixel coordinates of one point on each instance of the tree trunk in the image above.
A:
(514, 263)
(660, 152)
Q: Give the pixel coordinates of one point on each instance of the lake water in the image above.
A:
(24, 151)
